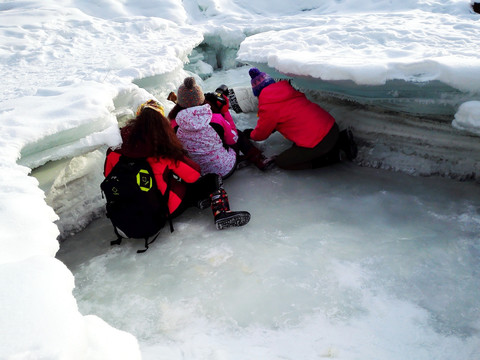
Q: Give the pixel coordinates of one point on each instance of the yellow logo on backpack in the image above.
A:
(144, 180)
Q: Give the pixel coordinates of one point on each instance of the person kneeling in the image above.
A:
(317, 140)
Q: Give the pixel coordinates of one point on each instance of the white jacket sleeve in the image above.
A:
(242, 99)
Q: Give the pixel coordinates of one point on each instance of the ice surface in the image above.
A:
(350, 262)
(326, 270)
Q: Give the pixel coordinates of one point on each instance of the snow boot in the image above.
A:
(256, 157)
(242, 161)
(347, 144)
(332, 157)
(224, 218)
(204, 203)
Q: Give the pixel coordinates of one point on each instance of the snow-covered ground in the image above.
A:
(348, 262)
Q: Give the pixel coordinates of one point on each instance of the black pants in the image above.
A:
(198, 191)
(244, 146)
(324, 153)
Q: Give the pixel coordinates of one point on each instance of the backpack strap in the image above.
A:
(119, 237)
(147, 243)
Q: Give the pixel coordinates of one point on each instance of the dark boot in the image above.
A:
(347, 144)
(256, 157)
(204, 203)
(332, 157)
(242, 161)
(224, 218)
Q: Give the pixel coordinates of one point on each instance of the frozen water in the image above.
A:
(344, 262)
(353, 262)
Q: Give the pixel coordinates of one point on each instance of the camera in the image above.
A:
(220, 92)
(218, 99)
(222, 89)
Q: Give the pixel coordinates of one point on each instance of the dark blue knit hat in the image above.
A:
(259, 80)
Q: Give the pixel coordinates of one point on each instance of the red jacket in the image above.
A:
(186, 170)
(282, 108)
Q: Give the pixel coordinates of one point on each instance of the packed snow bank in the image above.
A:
(414, 61)
(62, 71)
(345, 47)
(36, 326)
(172, 10)
(468, 117)
(58, 78)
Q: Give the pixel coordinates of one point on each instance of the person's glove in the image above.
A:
(247, 133)
(172, 97)
(225, 107)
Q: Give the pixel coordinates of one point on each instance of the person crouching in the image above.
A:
(317, 140)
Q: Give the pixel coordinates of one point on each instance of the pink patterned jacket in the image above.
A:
(203, 143)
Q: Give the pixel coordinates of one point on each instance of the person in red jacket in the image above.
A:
(317, 140)
(149, 135)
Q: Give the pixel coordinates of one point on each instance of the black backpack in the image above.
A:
(135, 205)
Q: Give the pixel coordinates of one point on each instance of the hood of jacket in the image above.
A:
(194, 118)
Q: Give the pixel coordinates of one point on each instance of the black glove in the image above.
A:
(247, 133)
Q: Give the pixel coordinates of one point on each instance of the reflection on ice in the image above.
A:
(351, 262)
